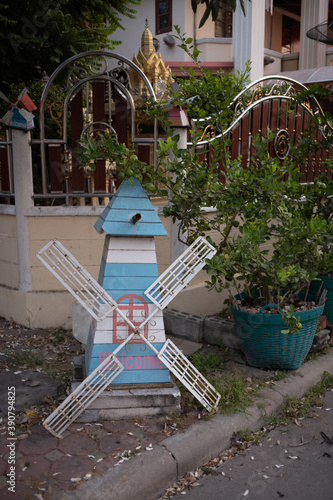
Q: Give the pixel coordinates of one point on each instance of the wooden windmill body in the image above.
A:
(128, 268)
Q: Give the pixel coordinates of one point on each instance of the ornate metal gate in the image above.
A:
(96, 95)
(266, 103)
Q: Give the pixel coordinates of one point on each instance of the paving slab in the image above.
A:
(77, 444)
(37, 445)
(71, 467)
(30, 467)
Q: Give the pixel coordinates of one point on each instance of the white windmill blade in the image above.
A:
(76, 279)
(24, 91)
(86, 290)
(187, 373)
(2, 95)
(84, 394)
(180, 273)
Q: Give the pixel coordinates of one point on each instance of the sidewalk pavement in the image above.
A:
(92, 460)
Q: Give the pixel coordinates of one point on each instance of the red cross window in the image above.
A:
(136, 312)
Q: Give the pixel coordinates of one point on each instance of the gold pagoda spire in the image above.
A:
(147, 44)
(150, 63)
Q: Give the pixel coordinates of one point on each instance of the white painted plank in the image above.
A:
(129, 256)
(155, 322)
(134, 243)
(106, 337)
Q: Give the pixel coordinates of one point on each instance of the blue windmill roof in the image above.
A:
(127, 202)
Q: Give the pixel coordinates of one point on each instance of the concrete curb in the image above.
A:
(148, 475)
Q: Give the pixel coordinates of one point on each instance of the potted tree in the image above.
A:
(270, 258)
(269, 243)
(318, 198)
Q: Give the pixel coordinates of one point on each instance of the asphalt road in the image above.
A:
(282, 467)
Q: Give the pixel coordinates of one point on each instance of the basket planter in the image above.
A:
(266, 347)
(328, 284)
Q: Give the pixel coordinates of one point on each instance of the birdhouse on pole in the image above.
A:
(128, 268)
(178, 117)
(19, 117)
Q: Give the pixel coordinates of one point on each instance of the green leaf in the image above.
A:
(196, 52)
(205, 16)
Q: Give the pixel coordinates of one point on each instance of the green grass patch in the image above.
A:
(315, 355)
(248, 437)
(236, 392)
(59, 335)
(29, 359)
(33, 360)
(280, 375)
(206, 362)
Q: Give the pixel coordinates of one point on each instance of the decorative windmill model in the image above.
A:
(104, 308)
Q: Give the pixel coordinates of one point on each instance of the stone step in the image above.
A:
(118, 403)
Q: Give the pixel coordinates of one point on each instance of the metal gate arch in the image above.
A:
(264, 104)
(100, 67)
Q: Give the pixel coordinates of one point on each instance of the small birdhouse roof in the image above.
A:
(130, 213)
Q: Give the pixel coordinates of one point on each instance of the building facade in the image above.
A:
(271, 34)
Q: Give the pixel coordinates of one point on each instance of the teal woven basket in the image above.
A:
(266, 347)
(328, 284)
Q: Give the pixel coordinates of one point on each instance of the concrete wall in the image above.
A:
(131, 38)
(290, 62)
(215, 49)
(329, 56)
(9, 275)
(48, 304)
(273, 68)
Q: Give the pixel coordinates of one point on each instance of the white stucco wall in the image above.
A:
(184, 17)
(131, 38)
(48, 304)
